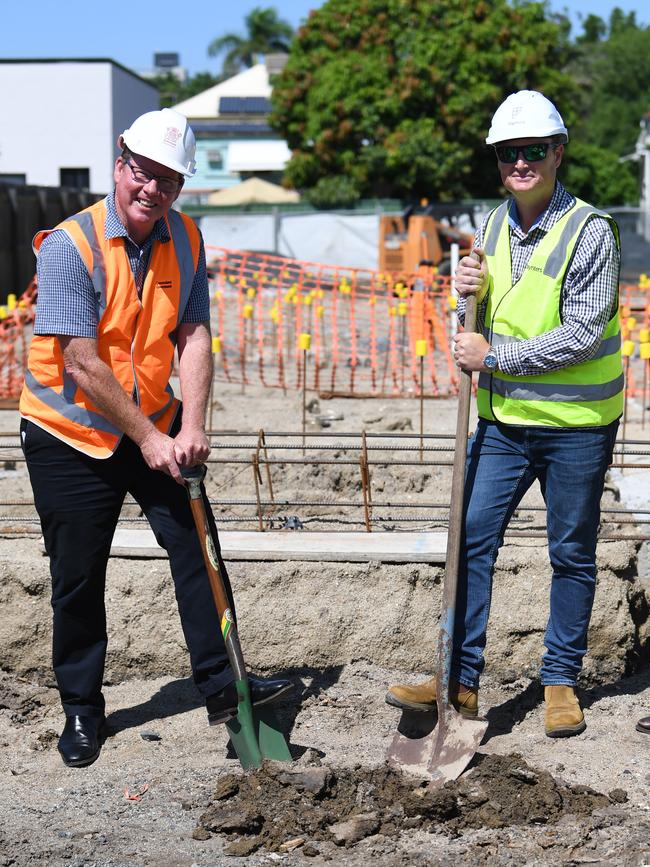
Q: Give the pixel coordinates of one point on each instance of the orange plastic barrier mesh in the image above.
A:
(363, 324)
(16, 318)
(364, 327)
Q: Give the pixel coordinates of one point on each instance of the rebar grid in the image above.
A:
(363, 455)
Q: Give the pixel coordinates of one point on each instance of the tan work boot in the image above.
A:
(422, 696)
(563, 716)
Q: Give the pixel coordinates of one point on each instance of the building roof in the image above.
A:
(253, 82)
(43, 60)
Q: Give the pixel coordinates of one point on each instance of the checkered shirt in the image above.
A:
(589, 297)
(66, 298)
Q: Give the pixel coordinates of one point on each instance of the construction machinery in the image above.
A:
(421, 236)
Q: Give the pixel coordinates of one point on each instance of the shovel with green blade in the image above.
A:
(254, 732)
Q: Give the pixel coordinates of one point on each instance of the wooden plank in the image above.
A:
(427, 547)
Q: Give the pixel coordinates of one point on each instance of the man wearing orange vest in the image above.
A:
(122, 286)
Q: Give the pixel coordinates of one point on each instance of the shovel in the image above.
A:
(442, 752)
(254, 732)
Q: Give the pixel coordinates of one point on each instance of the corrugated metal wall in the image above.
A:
(23, 211)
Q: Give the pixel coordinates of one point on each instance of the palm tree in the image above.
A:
(265, 33)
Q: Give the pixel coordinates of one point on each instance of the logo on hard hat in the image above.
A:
(172, 136)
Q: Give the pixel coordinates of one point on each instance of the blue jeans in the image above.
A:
(502, 463)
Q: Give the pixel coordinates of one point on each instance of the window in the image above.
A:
(215, 159)
(12, 179)
(77, 179)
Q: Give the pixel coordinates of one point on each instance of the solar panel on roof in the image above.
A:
(244, 105)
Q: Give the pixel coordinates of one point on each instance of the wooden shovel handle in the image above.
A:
(450, 584)
(193, 480)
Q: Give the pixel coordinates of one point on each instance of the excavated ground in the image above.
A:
(168, 791)
(279, 809)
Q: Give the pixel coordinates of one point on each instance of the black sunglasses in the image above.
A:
(532, 153)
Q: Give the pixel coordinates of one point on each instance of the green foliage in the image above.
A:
(615, 75)
(595, 174)
(594, 29)
(397, 95)
(333, 192)
(172, 90)
(265, 34)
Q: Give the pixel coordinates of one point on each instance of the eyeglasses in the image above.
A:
(141, 176)
(532, 153)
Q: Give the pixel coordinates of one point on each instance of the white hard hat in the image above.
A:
(163, 136)
(525, 114)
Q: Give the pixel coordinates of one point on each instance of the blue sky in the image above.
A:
(131, 33)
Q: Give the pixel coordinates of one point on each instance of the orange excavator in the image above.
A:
(411, 246)
(420, 237)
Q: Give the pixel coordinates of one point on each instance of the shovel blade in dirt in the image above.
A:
(438, 753)
(413, 743)
(255, 733)
(457, 739)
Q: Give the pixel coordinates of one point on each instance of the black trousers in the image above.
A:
(78, 500)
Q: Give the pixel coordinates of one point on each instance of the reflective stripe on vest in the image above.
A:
(586, 394)
(135, 338)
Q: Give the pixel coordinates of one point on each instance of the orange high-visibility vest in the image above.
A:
(136, 337)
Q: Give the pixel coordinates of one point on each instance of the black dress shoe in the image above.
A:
(81, 740)
(643, 725)
(222, 706)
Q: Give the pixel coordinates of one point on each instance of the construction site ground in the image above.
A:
(167, 791)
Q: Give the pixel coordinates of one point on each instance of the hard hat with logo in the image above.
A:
(163, 136)
(526, 114)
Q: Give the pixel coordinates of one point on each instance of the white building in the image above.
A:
(233, 138)
(62, 118)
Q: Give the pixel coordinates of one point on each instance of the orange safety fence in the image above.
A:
(16, 318)
(364, 325)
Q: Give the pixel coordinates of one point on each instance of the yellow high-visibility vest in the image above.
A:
(587, 394)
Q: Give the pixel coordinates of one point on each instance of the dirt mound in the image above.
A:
(282, 808)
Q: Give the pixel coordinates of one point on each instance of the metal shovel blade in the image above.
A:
(273, 744)
(439, 753)
(413, 743)
(255, 732)
(457, 739)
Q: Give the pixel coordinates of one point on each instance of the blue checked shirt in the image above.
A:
(66, 298)
(589, 297)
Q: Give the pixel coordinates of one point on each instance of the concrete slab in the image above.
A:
(325, 547)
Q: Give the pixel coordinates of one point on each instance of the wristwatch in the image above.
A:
(490, 360)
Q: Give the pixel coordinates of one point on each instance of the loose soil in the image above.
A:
(277, 808)
(167, 789)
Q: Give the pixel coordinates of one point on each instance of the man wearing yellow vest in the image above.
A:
(550, 393)
(122, 286)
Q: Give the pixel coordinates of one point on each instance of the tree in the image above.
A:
(395, 96)
(172, 90)
(594, 29)
(595, 174)
(614, 77)
(265, 33)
